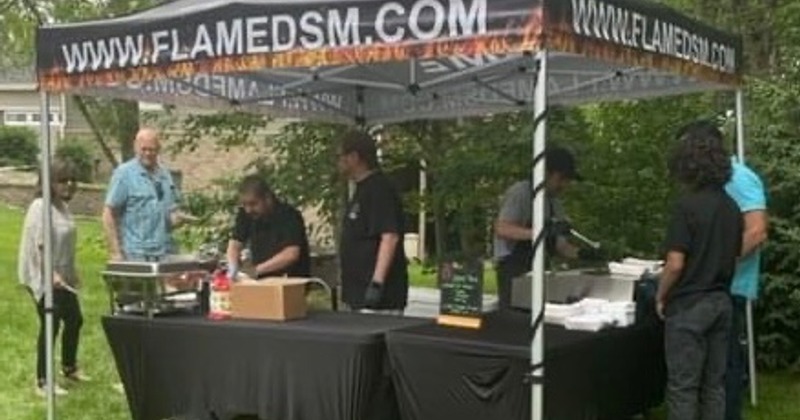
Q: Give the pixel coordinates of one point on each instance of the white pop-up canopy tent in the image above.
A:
(369, 62)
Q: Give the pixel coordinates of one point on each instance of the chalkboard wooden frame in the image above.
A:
(461, 288)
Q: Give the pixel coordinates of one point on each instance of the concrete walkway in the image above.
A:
(424, 302)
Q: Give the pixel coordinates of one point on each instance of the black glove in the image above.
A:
(560, 228)
(592, 254)
(557, 228)
(373, 295)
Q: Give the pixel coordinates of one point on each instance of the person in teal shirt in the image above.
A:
(141, 206)
(747, 189)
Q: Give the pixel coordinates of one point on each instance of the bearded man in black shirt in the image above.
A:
(372, 258)
(702, 246)
(273, 230)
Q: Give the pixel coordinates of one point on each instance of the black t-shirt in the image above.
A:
(375, 209)
(267, 236)
(707, 227)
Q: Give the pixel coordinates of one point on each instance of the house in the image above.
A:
(20, 105)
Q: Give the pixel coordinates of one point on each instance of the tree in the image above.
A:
(299, 162)
(111, 121)
(470, 163)
(771, 35)
(625, 197)
(775, 152)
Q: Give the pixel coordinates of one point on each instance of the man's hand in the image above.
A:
(233, 271)
(560, 227)
(280, 262)
(179, 218)
(660, 308)
(373, 295)
(112, 236)
(58, 281)
(31, 294)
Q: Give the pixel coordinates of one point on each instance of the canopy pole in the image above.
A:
(751, 347)
(538, 234)
(47, 265)
(423, 215)
(361, 121)
(740, 125)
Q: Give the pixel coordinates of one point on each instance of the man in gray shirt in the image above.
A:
(513, 250)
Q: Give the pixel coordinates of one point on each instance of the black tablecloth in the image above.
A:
(450, 373)
(329, 366)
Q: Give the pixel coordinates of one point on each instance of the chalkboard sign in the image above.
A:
(461, 286)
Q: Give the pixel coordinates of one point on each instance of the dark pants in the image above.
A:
(696, 334)
(225, 416)
(507, 270)
(735, 377)
(66, 310)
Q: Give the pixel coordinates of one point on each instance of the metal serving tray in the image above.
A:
(150, 288)
(568, 286)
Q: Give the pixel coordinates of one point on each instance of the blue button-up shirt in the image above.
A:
(143, 202)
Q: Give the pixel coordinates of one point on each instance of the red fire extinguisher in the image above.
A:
(219, 305)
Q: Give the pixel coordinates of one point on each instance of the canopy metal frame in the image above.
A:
(537, 70)
(498, 84)
(517, 57)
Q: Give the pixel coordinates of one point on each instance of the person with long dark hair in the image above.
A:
(748, 190)
(703, 242)
(66, 307)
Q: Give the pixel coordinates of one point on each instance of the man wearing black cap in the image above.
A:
(373, 262)
(513, 247)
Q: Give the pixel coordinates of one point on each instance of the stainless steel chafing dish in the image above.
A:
(574, 285)
(149, 288)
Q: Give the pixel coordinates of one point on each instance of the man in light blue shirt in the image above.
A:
(141, 205)
(747, 189)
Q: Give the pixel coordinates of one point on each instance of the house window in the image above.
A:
(28, 118)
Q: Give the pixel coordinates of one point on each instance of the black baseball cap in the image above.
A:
(561, 160)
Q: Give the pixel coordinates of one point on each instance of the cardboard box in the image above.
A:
(277, 299)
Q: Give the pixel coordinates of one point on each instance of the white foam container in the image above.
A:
(621, 314)
(556, 313)
(590, 322)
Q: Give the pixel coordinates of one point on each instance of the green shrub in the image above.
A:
(774, 152)
(80, 156)
(215, 207)
(18, 146)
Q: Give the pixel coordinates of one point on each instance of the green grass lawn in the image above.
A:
(780, 392)
(94, 400)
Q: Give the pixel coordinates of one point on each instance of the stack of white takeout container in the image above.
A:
(634, 267)
(593, 315)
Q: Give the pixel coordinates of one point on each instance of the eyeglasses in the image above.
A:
(249, 203)
(159, 190)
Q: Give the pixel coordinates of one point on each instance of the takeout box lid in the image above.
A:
(273, 281)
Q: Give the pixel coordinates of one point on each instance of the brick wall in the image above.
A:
(206, 164)
(198, 169)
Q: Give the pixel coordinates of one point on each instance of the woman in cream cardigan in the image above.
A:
(67, 310)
